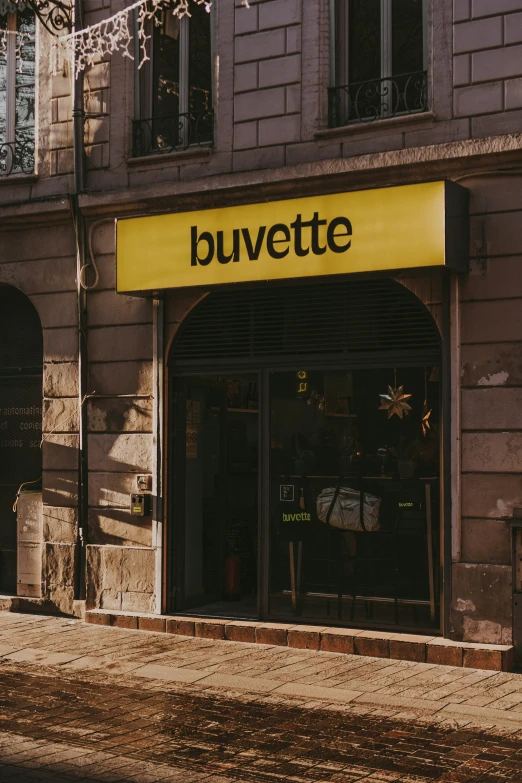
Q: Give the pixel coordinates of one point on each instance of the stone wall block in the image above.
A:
(496, 124)
(245, 135)
(116, 527)
(293, 98)
(490, 496)
(42, 243)
(111, 490)
(492, 409)
(481, 34)
(461, 70)
(265, 157)
(493, 64)
(59, 564)
(137, 602)
(60, 415)
(260, 103)
(486, 541)
(461, 10)
(491, 322)
(491, 7)
(282, 70)
(104, 238)
(103, 565)
(120, 343)
(245, 77)
(132, 377)
(98, 76)
(279, 130)
(60, 525)
(495, 278)
(513, 28)
(109, 308)
(260, 46)
(97, 130)
(120, 415)
(60, 379)
(61, 85)
(513, 94)
(60, 345)
(60, 487)
(60, 451)
(278, 13)
(479, 99)
(293, 39)
(492, 452)
(246, 19)
(123, 453)
(138, 570)
(481, 599)
(491, 365)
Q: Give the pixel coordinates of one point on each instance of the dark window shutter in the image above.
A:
(360, 321)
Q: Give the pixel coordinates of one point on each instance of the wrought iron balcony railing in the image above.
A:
(378, 99)
(17, 158)
(173, 133)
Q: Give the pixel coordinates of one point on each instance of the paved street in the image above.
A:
(85, 703)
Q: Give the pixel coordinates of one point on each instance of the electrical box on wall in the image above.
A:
(140, 505)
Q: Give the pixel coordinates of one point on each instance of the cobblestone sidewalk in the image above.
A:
(84, 703)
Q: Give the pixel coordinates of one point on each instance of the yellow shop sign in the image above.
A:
(406, 227)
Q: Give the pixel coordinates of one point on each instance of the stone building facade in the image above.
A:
(272, 141)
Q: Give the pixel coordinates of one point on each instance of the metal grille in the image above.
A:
(348, 319)
(21, 358)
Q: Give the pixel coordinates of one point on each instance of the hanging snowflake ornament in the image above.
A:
(395, 402)
(425, 420)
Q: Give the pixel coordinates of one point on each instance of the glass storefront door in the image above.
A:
(215, 489)
(351, 472)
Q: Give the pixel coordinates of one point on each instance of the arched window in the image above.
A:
(21, 363)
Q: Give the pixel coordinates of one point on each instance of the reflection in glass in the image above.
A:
(17, 93)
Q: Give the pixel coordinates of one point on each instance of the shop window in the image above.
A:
(17, 91)
(174, 86)
(379, 60)
(295, 413)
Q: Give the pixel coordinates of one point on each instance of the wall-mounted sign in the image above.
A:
(385, 229)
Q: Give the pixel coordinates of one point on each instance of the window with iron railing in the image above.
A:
(174, 86)
(379, 60)
(17, 90)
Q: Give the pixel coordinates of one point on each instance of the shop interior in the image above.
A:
(351, 525)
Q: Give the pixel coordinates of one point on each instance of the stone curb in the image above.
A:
(351, 641)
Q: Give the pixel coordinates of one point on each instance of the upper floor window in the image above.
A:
(174, 87)
(17, 91)
(379, 59)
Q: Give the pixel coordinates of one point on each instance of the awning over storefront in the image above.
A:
(385, 229)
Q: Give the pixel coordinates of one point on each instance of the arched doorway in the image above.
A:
(298, 489)
(21, 367)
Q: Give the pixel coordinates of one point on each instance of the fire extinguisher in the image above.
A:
(232, 577)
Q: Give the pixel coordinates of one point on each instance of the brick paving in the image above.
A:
(82, 703)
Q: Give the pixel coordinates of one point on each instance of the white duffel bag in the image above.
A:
(346, 511)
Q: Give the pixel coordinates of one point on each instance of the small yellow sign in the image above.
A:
(385, 229)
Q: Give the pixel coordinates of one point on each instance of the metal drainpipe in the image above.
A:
(79, 185)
